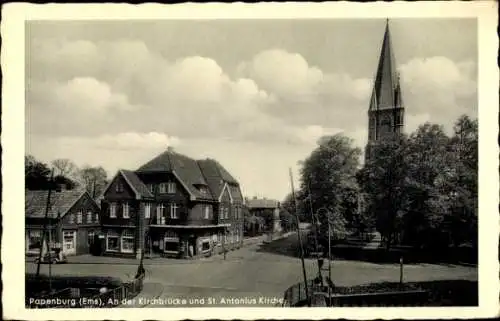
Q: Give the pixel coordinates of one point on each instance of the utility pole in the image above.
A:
(300, 241)
(44, 229)
(329, 260)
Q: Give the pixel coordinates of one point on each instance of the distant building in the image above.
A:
(386, 112)
(72, 221)
(268, 209)
(172, 206)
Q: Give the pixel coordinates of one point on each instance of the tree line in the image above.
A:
(65, 173)
(418, 190)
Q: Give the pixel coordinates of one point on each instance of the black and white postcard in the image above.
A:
(180, 160)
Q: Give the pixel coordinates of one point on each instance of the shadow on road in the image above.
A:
(361, 252)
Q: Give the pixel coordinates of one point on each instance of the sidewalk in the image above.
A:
(91, 259)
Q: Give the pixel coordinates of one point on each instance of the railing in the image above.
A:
(295, 296)
(120, 294)
(72, 297)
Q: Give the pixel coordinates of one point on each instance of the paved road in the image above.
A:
(257, 271)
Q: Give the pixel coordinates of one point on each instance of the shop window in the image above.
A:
(34, 240)
(127, 241)
(112, 242)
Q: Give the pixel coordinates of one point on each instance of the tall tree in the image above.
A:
(328, 179)
(427, 159)
(464, 181)
(383, 180)
(65, 167)
(94, 179)
(36, 174)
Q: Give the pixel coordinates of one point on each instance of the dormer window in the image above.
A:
(119, 188)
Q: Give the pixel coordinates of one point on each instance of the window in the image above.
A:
(89, 217)
(147, 210)
(127, 241)
(205, 246)
(69, 241)
(79, 217)
(112, 210)
(226, 212)
(207, 212)
(162, 188)
(71, 219)
(126, 208)
(34, 240)
(171, 246)
(97, 217)
(171, 188)
(112, 242)
(119, 187)
(90, 237)
(171, 235)
(160, 214)
(151, 188)
(221, 212)
(174, 211)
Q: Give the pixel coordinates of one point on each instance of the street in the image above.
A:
(257, 272)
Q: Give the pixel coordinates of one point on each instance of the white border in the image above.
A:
(12, 28)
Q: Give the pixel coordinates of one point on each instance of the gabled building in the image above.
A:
(126, 208)
(171, 206)
(386, 111)
(72, 221)
(269, 210)
(229, 208)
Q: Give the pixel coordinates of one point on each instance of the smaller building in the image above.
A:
(72, 221)
(268, 209)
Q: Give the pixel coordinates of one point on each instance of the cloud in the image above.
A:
(89, 93)
(135, 141)
(439, 87)
(305, 95)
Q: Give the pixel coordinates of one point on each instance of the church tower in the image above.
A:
(386, 112)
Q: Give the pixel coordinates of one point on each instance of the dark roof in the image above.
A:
(60, 202)
(217, 176)
(262, 203)
(386, 89)
(136, 184)
(186, 169)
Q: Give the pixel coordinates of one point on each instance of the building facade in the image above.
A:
(172, 206)
(72, 222)
(386, 112)
(269, 210)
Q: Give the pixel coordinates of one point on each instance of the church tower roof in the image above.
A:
(386, 89)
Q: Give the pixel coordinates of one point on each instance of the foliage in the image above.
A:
(94, 179)
(328, 181)
(421, 190)
(37, 176)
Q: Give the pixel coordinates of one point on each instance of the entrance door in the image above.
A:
(69, 242)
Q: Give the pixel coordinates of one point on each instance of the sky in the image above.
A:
(254, 94)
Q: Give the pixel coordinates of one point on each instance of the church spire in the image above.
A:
(386, 113)
(386, 79)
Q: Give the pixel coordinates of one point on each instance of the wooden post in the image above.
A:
(300, 241)
(44, 229)
(401, 272)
